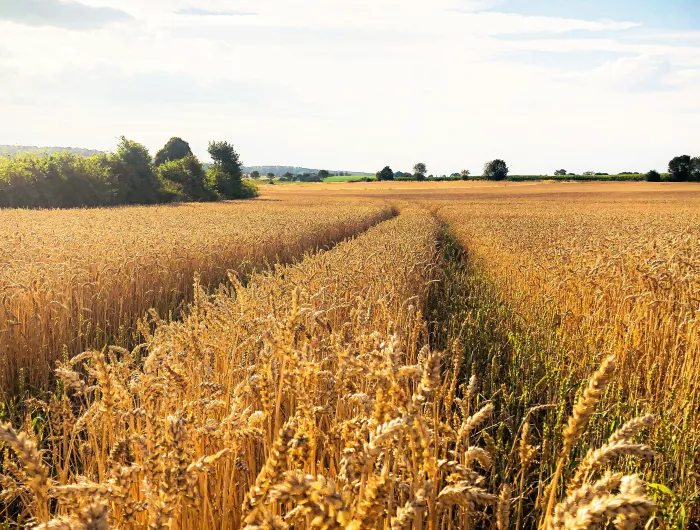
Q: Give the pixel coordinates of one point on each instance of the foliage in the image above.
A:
(385, 174)
(464, 174)
(308, 177)
(559, 172)
(226, 173)
(175, 149)
(188, 180)
(419, 171)
(681, 168)
(323, 174)
(126, 176)
(653, 176)
(56, 180)
(132, 173)
(255, 175)
(695, 170)
(495, 170)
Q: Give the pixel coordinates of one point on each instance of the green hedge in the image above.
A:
(127, 176)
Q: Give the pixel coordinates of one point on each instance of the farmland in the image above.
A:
(421, 355)
(78, 279)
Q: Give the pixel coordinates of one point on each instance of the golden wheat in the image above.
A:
(77, 279)
(573, 276)
(308, 397)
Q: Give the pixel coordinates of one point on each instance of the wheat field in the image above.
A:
(78, 279)
(489, 358)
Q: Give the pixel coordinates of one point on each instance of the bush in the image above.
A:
(55, 181)
(653, 176)
(249, 189)
(127, 176)
(132, 174)
(186, 180)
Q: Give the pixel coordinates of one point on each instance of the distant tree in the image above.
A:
(695, 171)
(270, 175)
(175, 149)
(681, 168)
(385, 174)
(186, 180)
(560, 172)
(255, 175)
(132, 173)
(323, 174)
(288, 176)
(653, 176)
(419, 171)
(226, 173)
(464, 174)
(495, 170)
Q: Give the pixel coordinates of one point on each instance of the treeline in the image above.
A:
(126, 176)
(682, 168)
(14, 150)
(280, 171)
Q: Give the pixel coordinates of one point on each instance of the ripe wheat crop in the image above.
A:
(78, 279)
(570, 279)
(310, 397)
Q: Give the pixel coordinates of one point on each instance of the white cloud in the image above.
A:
(66, 14)
(353, 84)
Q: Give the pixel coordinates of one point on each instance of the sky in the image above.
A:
(581, 85)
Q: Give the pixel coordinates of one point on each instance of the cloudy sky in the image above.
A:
(358, 84)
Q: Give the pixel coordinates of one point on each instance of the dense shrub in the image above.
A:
(653, 176)
(186, 180)
(126, 176)
(57, 180)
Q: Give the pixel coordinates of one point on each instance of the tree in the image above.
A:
(132, 174)
(681, 168)
(465, 174)
(653, 176)
(695, 170)
(385, 174)
(288, 176)
(560, 172)
(226, 172)
(495, 170)
(175, 149)
(419, 171)
(186, 180)
(270, 175)
(323, 174)
(255, 175)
